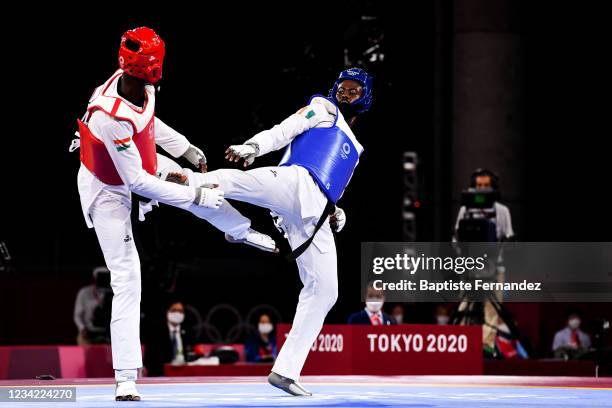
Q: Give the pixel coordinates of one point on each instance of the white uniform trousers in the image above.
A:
(291, 193)
(111, 220)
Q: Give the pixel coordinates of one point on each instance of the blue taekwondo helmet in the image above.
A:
(362, 104)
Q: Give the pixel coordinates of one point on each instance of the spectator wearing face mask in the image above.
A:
(261, 346)
(373, 313)
(442, 316)
(169, 341)
(571, 342)
(398, 314)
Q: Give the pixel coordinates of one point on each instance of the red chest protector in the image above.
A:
(94, 154)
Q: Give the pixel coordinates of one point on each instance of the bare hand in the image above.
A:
(245, 152)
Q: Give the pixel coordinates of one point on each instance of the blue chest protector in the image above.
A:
(328, 154)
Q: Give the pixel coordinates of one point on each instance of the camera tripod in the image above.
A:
(472, 312)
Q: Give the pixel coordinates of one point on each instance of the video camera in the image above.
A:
(478, 223)
(474, 198)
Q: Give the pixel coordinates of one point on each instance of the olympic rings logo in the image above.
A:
(245, 325)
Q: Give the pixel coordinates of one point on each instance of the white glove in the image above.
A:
(196, 157)
(208, 197)
(247, 152)
(337, 220)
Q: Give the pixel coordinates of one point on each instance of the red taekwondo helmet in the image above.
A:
(141, 54)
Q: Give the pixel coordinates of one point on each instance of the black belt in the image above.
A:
(330, 207)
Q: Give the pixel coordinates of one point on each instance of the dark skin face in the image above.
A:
(132, 89)
(348, 92)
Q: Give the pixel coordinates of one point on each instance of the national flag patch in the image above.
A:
(122, 144)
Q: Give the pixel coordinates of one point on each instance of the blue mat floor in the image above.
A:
(337, 395)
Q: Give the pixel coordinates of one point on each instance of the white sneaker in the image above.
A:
(126, 391)
(255, 239)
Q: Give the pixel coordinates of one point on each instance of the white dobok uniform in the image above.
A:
(107, 209)
(293, 195)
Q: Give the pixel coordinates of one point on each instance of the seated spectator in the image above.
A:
(571, 342)
(168, 341)
(442, 315)
(261, 346)
(92, 309)
(398, 314)
(372, 314)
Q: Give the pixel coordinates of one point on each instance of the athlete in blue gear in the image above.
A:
(301, 193)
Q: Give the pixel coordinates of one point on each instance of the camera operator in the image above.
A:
(92, 309)
(482, 218)
(483, 180)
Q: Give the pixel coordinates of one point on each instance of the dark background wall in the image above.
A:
(515, 86)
